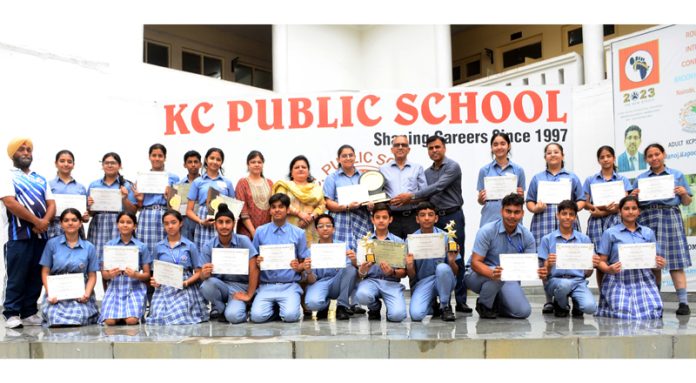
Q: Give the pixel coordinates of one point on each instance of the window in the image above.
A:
(201, 64)
(246, 74)
(519, 55)
(466, 69)
(156, 54)
(575, 35)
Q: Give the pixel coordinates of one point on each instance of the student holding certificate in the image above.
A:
(381, 280)
(505, 235)
(192, 164)
(432, 277)
(544, 218)
(70, 254)
(198, 194)
(229, 294)
(501, 166)
(664, 218)
(334, 283)
(279, 287)
(603, 215)
(254, 190)
(170, 305)
(124, 299)
(64, 183)
(103, 225)
(564, 283)
(153, 205)
(628, 294)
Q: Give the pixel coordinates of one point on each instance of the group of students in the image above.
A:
(293, 212)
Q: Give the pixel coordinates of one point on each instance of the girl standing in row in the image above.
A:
(64, 183)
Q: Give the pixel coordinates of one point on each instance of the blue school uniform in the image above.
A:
(545, 222)
(630, 294)
(597, 225)
(350, 225)
(491, 208)
(103, 227)
(664, 218)
(378, 285)
(199, 194)
(434, 277)
(150, 229)
(173, 306)
(279, 287)
(331, 284)
(59, 187)
(62, 259)
(218, 289)
(125, 296)
(189, 228)
(567, 282)
(491, 241)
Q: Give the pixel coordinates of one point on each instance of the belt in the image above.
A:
(655, 206)
(155, 207)
(449, 211)
(403, 213)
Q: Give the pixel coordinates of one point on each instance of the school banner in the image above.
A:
(654, 82)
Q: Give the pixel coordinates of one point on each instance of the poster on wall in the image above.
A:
(654, 82)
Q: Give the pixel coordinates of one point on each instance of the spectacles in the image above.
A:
(347, 155)
(400, 145)
(324, 226)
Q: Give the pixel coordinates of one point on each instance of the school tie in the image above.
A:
(634, 166)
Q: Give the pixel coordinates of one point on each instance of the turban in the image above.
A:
(14, 145)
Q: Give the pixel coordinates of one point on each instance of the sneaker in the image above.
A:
(682, 310)
(559, 312)
(222, 319)
(448, 314)
(355, 309)
(34, 320)
(463, 308)
(436, 309)
(276, 314)
(484, 312)
(323, 314)
(307, 314)
(214, 314)
(342, 313)
(548, 308)
(374, 315)
(576, 312)
(13, 322)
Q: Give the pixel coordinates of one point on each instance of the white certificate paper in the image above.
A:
(519, 267)
(352, 193)
(66, 286)
(65, 201)
(276, 257)
(574, 256)
(230, 261)
(121, 257)
(328, 255)
(637, 256)
(655, 188)
(168, 274)
(234, 205)
(554, 192)
(605, 193)
(426, 246)
(152, 182)
(106, 200)
(499, 187)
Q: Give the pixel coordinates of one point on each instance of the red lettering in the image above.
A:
(427, 113)
(408, 108)
(346, 102)
(488, 111)
(537, 105)
(235, 118)
(196, 123)
(323, 114)
(300, 106)
(277, 112)
(367, 157)
(174, 118)
(456, 105)
(364, 119)
(552, 99)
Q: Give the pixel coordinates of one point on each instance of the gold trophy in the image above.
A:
(451, 236)
(369, 246)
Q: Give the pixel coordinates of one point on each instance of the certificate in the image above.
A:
(178, 197)
(328, 255)
(655, 188)
(108, 200)
(574, 256)
(152, 182)
(276, 257)
(637, 256)
(426, 246)
(499, 187)
(391, 252)
(360, 255)
(605, 193)
(352, 193)
(230, 261)
(554, 192)
(234, 205)
(65, 201)
(66, 286)
(168, 274)
(519, 267)
(121, 257)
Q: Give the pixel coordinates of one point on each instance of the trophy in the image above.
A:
(369, 246)
(451, 236)
(374, 181)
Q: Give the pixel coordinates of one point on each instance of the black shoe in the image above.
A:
(222, 319)
(463, 308)
(374, 315)
(307, 314)
(276, 314)
(355, 309)
(436, 309)
(214, 314)
(448, 314)
(683, 309)
(484, 312)
(342, 313)
(558, 311)
(576, 312)
(548, 308)
(323, 314)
